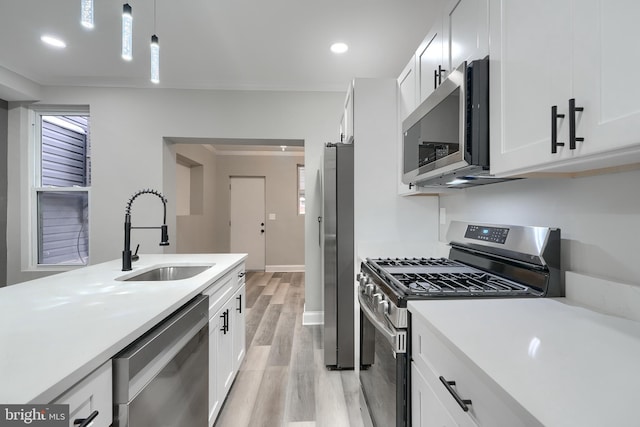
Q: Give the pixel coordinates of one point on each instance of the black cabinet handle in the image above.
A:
(440, 71)
(554, 129)
(241, 274)
(435, 79)
(449, 386)
(84, 422)
(225, 322)
(572, 124)
(239, 298)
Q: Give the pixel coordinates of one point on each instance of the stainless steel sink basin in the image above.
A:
(162, 274)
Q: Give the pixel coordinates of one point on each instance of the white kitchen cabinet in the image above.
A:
(226, 336)
(238, 327)
(606, 55)
(407, 90)
(461, 33)
(225, 348)
(426, 408)
(465, 29)
(430, 62)
(438, 362)
(580, 55)
(92, 394)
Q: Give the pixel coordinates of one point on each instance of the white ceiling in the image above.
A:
(216, 44)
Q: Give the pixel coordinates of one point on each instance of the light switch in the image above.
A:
(272, 217)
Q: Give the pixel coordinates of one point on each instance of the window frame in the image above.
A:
(36, 187)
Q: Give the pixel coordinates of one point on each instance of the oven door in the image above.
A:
(383, 370)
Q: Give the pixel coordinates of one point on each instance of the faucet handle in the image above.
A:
(135, 256)
(164, 239)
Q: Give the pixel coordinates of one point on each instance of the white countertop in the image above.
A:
(58, 329)
(565, 364)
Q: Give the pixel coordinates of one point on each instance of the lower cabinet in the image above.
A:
(239, 327)
(426, 408)
(91, 398)
(226, 336)
(447, 389)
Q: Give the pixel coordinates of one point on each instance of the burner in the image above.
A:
(460, 283)
(419, 262)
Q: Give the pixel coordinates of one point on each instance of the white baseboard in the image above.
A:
(312, 317)
(284, 268)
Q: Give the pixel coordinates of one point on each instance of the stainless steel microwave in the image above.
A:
(446, 139)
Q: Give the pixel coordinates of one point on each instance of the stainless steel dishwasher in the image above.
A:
(161, 380)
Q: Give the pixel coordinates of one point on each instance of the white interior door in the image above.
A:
(248, 220)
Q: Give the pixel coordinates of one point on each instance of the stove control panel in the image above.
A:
(487, 234)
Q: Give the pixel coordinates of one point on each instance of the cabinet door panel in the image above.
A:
(238, 328)
(426, 409)
(466, 30)
(606, 57)
(225, 349)
(530, 72)
(429, 58)
(407, 90)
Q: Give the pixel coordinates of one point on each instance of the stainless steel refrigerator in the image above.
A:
(338, 257)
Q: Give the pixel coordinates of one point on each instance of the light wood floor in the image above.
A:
(283, 380)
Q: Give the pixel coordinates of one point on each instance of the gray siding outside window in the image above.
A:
(63, 236)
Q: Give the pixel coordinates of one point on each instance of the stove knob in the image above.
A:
(377, 299)
(383, 307)
(369, 289)
(363, 279)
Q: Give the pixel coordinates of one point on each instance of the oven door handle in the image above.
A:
(397, 338)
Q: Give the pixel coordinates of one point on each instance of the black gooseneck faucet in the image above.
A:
(164, 239)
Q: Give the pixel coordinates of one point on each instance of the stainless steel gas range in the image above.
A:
(485, 261)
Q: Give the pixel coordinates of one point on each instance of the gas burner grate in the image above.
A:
(415, 262)
(459, 283)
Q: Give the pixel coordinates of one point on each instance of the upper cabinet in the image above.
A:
(460, 33)
(559, 99)
(465, 30)
(407, 90)
(430, 62)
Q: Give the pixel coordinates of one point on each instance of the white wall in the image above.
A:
(127, 130)
(386, 224)
(599, 217)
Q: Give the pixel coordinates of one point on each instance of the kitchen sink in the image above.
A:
(174, 272)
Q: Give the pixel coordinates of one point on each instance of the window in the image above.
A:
(300, 189)
(62, 180)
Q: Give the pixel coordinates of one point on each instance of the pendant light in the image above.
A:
(155, 51)
(127, 33)
(86, 13)
(155, 60)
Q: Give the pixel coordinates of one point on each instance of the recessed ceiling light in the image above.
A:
(53, 41)
(339, 48)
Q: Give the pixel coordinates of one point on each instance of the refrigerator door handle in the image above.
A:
(320, 231)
